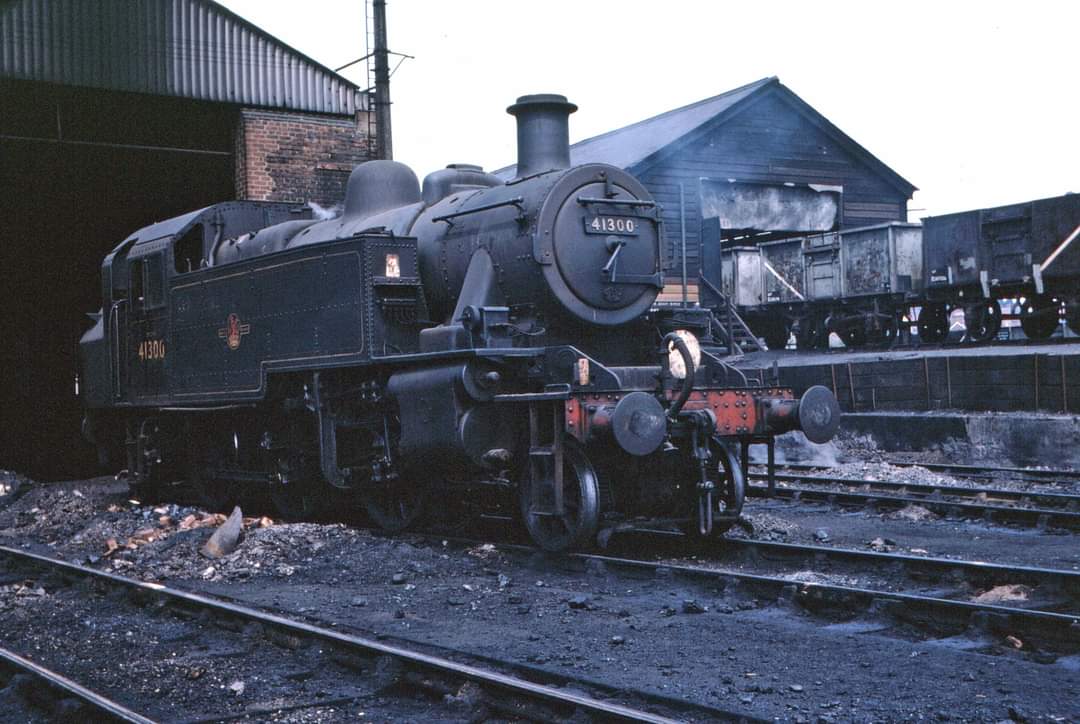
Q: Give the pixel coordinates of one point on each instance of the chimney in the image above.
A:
(543, 132)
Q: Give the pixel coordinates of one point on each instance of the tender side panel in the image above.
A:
(286, 309)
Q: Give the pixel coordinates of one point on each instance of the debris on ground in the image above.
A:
(912, 512)
(227, 537)
(1004, 594)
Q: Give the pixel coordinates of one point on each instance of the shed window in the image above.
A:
(188, 250)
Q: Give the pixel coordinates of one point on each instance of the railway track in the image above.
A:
(1063, 476)
(541, 696)
(1044, 631)
(87, 704)
(1043, 509)
(1061, 588)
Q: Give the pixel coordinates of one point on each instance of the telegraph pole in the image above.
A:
(384, 147)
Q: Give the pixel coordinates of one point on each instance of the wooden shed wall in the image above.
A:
(770, 141)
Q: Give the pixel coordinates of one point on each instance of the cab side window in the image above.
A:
(136, 285)
(148, 282)
(155, 281)
(188, 250)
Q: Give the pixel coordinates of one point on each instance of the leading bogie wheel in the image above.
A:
(729, 495)
(577, 523)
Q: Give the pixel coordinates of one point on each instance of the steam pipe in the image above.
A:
(688, 380)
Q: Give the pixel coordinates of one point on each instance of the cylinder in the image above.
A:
(543, 132)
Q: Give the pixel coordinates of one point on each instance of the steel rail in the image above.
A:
(974, 470)
(1069, 500)
(101, 704)
(982, 570)
(539, 692)
(1041, 517)
(1063, 627)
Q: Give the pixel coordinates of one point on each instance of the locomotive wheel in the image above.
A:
(395, 505)
(933, 323)
(728, 497)
(581, 503)
(216, 496)
(983, 321)
(298, 492)
(204, 455)
(1039, 316)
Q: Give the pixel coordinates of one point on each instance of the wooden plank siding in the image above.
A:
(771, 141)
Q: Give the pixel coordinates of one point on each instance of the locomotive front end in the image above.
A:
(596, 406)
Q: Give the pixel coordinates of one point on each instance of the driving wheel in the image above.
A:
(395, 504)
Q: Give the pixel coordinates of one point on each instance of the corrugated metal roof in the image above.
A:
(629, 146)
(188, 48)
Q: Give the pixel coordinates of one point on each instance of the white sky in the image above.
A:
(977, 104)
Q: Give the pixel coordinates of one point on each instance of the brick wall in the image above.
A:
(284, 156)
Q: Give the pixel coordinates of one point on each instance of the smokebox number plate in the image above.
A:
(624, 225)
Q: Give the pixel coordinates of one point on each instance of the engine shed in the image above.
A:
(760, 133)
(117, 115)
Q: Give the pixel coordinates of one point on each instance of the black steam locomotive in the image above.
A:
(465, 340)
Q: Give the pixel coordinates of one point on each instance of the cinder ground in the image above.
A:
(716, 647)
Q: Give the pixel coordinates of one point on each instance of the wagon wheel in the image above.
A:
(854, 336)
(809, 332)
(776, 334)
(1039, 316)
(886, 332)
(729, 495)
(933, 323)
(983, 320)
(1072, 315)
(581, 503)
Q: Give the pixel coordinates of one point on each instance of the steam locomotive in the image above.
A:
(466, 339)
